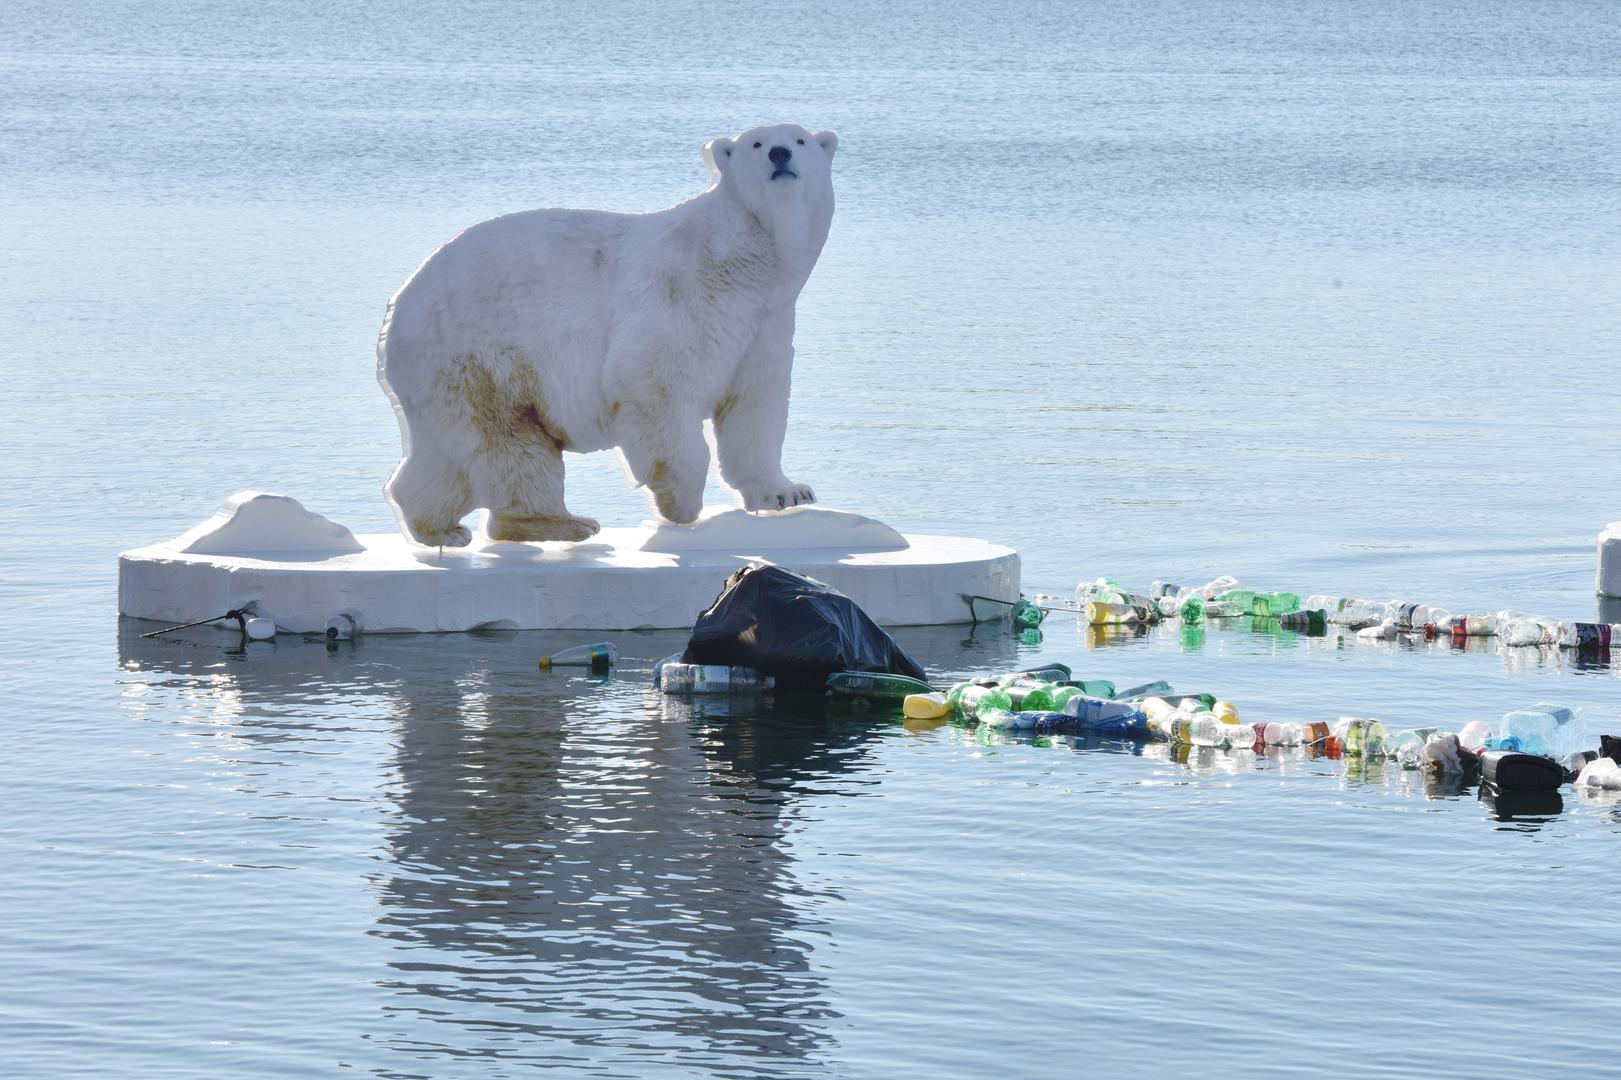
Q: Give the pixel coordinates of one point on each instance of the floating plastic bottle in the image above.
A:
(1406, 746)
(342, 626)
(1474, 734)
(1225, 711)
(1360, 613)
(1414, 617)
(1472, 626)
(930, 706)
(257, 627)
(1161, 589)
(1193, 704)
(1030, 696)
(1360, 736)
(1328, 605)
(1542, 729)
(1192, 610)
(1240, 736)
(879, 686)
(1284, 733)
(1102, 613)
(680, 678)
(1226, 609)
(1281, 603)
(1305, 621)
(1527, 631)
(597, 657)
(1583, 635)
(1026, 614)
(976, 699)
(1316, 733)
(1108, 717)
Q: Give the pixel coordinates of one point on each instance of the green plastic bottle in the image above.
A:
(1026, 614)
(875, 685)
(1095, 688)
(1281, 603)
(1192, 610)
(1033, 697)
(976, 699)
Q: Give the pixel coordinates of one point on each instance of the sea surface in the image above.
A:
(1323, 295)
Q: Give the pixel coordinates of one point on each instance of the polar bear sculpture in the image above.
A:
(555, 330)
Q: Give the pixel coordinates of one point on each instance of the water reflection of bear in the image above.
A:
(609, 863)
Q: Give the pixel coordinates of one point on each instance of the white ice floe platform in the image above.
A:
(1609, 560)
(302, 569)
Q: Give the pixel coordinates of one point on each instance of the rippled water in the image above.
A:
(1322, 295)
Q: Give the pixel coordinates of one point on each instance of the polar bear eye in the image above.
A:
(757, 146)
(801, 142)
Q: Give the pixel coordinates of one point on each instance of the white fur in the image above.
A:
(585, 330)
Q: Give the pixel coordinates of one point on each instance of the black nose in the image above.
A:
(779, 155)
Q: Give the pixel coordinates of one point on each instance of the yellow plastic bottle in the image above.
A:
(925, 706)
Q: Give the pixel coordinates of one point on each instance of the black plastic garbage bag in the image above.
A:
(793, 628)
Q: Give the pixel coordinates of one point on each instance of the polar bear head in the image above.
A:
(782, 174)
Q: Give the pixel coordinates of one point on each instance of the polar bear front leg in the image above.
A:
(750, 422)
(665, 452)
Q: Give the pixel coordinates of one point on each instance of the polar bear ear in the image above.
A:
(828, 141)
(718, 154)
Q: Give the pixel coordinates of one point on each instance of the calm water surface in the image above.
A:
(1322, 295)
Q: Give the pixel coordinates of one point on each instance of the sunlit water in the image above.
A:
(1321, 295)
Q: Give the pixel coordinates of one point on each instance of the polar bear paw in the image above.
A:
(538, 528)
(777, 497)
(456, 536)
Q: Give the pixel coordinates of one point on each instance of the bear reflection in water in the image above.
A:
(566, 859)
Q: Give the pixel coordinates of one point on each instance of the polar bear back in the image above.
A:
(541, 281)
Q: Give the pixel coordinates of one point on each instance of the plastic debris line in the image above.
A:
(1107, 603)
(1532, 749)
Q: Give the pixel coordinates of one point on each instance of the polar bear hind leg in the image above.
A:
(518, 463)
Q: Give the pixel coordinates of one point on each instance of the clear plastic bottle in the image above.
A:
(1328, 605)
(1474, 734)
(1529, 631)
(1545, 729)
(680, 678)
(1472, 626)
(1157, 688)
(342, 626)
(597, 657)
(1284, 733)
(1240, 736)
(1406, 746)
(1360, 613)
(1360, 736)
